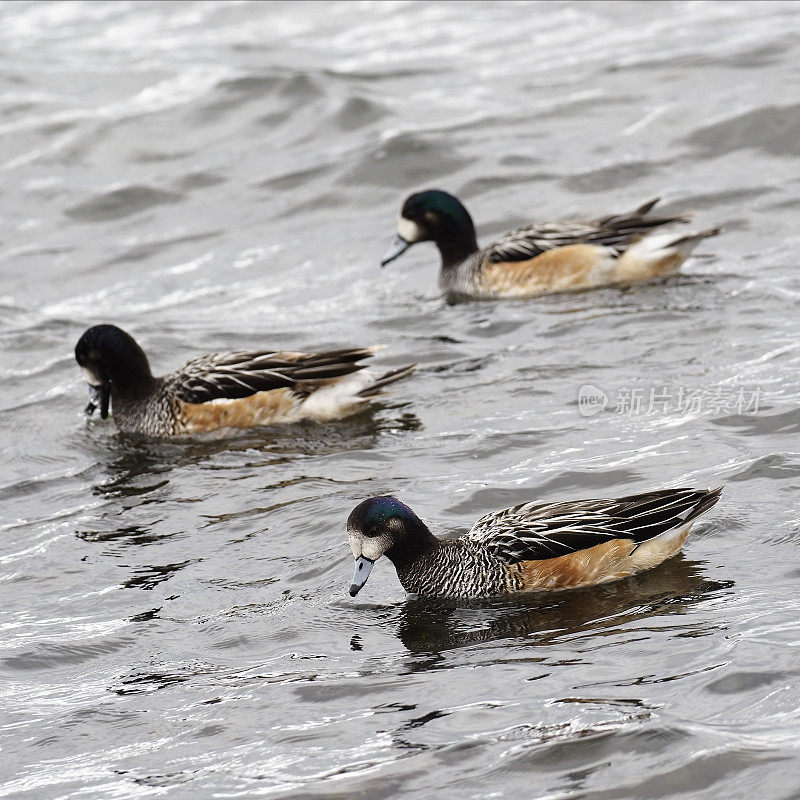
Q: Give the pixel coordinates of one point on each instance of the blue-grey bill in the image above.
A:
(399, 246)
(98, 398)
(360, 575)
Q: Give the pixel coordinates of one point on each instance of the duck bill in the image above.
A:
(99, 397)
(399, 246)
(360, 575)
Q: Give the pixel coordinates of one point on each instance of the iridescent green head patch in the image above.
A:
(368, 517)
(435, 200)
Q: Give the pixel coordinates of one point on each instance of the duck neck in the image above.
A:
(418, 544)
(132, 379)
(456, 244)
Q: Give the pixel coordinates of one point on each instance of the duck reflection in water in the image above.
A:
(134, 465)
(431, 626)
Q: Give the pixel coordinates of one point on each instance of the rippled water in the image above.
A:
(175, 619)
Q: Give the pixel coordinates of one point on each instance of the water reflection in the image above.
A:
(150, 681)
(148, 577)
(432, 626)
(126, 535)
(762, 424)
(130, 461)
(133, 471)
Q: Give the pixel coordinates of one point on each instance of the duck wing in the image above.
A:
(229, 376)
(531, 532)
(615, 231)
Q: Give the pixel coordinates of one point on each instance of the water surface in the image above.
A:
(208, 176)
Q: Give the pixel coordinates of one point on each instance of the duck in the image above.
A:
(529, 547)
(535, 260)
(224, 391)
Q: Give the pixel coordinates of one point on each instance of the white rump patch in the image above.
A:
(336, 400)
(652, 552)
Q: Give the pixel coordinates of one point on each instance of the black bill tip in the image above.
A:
(99, 397)
(363, 567)
(398, 247)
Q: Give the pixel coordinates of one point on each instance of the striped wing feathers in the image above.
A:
(525, 243)
(615, 231)
(531, 532)
(230, 376)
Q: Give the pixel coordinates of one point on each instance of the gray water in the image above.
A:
(175, 618)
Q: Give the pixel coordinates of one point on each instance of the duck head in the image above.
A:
(384, 526)
(111, 362)
(434, 216)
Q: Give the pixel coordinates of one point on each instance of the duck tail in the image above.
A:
(348, 394)
(708, 499)
(658, 254)
(667, 512)
(691, 239)
(637, 222)
(377, 386)
(645, 208)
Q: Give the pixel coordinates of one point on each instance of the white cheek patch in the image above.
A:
(410, 231)
(91, 378)
(373, 547)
